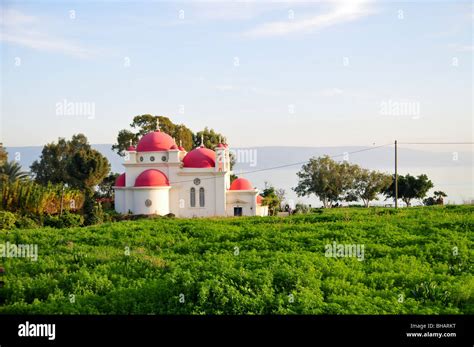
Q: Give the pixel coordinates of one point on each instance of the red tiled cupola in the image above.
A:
(152, 178)
(241, 184)
(155, 141)
(120, 181)
(200, 157)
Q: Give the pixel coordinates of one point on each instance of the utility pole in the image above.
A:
(396, 175)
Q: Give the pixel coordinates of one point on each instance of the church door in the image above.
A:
(238, 211)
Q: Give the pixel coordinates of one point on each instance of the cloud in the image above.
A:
(341, 12)
(21, 29)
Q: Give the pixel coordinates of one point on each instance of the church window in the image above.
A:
(201, 197)
(193, 197)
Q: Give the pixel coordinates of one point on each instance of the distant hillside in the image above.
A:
(452, 176)
(265, 157)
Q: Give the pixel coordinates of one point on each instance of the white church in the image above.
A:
(161, 178)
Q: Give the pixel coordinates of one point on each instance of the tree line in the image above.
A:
(334, 182)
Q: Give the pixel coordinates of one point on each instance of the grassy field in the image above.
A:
(416, 261)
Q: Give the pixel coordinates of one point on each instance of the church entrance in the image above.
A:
(238, 211)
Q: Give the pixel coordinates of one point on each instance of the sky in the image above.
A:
(265, 73)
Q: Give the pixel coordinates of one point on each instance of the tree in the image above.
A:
(367, 185)
(329, 180)
(211, 138)
(436, 199)
(146, 123)
(271, 198)
(11, 171)
(409, 188)
(105, 189)
(87, 168)
(3, 154)
(52, 165)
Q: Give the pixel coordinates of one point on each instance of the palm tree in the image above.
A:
(11, 170)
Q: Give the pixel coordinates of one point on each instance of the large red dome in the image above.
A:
(152, 178)
(154, 142)
(120, 181)
(200, 158)
(241, 184)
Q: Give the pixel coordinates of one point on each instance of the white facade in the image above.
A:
(162, 182)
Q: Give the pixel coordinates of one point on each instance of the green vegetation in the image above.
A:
(417, 261)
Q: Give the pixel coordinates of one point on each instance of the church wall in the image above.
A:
(244, 199)
(159, 198)
(119, 200)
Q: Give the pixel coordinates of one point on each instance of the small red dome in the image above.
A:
(220, 145)
(174, 147)
(120, 181)
(200, 158)
(154, 142)
(152, 178)
(259, 199)
(241, 184)
(131, 149)
(181, 148)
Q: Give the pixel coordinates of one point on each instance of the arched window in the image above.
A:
(193, 197)
(201, 197)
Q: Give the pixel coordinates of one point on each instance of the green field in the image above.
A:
(416, 261)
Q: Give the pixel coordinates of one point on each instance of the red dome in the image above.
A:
(181, 148)
(241, 184)
(200, 158)
(152, 178)
(220, 145)
(174, 147)
(131, 149)
(120, 181)
(259, 199)
(155, 141)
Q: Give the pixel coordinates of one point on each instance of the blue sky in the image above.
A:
(266, 73)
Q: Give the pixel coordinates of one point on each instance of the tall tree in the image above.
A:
(409, 188)
(211, 138)
(87, 168)
(367, 185)
(105, 189)
(52, 165)
(329, 180)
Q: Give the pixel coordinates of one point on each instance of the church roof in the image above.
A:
(200, 157)
(152, 178)
(155, 141)
(120, 180)
(241, 184)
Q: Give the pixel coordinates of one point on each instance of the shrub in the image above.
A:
(7, 220)
(25, 222)
(302, 209)
(66, 220)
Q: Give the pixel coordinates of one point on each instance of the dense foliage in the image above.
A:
(417, 260)
(410, 187)
(29, 197)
